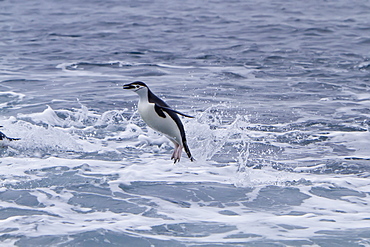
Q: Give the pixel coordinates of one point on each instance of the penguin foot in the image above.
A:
(175, 160)
(176, 154)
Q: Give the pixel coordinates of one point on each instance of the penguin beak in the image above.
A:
(128, 86)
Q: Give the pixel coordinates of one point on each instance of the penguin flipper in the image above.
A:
(167, 109)
(158, 109)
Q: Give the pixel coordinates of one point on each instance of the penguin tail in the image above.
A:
(187, 150)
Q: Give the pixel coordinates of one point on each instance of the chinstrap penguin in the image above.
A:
(161, 117)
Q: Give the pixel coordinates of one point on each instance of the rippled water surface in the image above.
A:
(281, 95)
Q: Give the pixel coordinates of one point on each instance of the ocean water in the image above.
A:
(281, 95)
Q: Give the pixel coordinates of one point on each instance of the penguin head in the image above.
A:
(136, 86)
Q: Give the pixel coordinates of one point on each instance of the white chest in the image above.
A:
(165, 125)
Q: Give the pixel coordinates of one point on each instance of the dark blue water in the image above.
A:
(281, 95)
